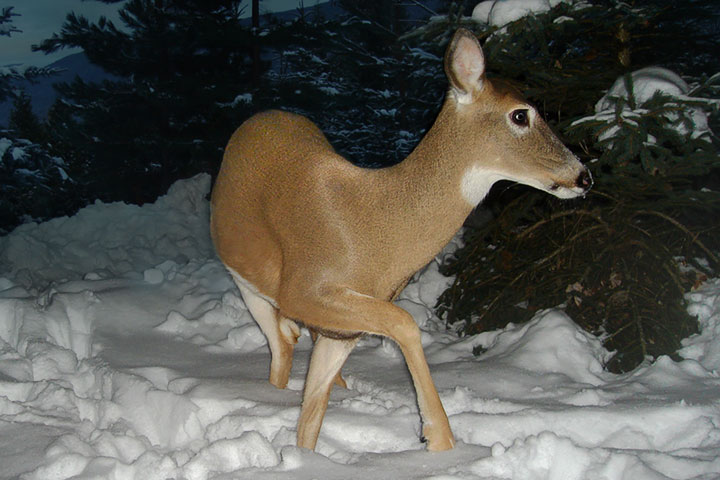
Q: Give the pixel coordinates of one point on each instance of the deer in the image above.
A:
(310, 238)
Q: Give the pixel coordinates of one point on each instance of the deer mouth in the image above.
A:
(579, 187)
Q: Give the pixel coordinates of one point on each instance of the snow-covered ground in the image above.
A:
(127, 353)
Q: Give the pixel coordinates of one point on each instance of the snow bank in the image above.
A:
(126, 352)
(704, 347)
(551, 457)
(550, 344)
(108, 240)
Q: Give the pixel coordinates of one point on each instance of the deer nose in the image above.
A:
(584, 180)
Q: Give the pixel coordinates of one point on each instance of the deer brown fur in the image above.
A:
(309, 237)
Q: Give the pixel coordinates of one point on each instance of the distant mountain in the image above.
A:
(41, 90)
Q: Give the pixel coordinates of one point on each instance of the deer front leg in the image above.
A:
(435, 424)
(328, 357)
(346, 311)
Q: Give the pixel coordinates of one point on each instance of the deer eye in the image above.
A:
(520, 117)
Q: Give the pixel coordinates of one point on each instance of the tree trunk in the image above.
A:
(255, 46)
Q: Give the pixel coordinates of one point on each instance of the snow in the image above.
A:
(15, 71)
(499, 13)
(5, 143)
(127, 353)
(705, 303)
(17, 153)
(646, 82)
(244, 98)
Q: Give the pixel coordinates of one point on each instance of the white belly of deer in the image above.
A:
(247, 284)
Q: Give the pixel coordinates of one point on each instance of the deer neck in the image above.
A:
(426, 189)
(442, 177)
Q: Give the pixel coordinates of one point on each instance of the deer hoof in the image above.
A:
(438, 439)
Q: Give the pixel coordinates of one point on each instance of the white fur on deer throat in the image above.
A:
(476, 183)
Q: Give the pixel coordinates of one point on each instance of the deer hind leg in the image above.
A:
(347, 311)
(328, 357)
(281, 333)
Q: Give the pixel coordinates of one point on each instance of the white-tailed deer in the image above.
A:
(309, 237)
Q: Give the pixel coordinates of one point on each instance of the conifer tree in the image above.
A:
(355, 79)
(620, 260)
(176, 62)
(33, 182)
(11, 74)
(23, 121)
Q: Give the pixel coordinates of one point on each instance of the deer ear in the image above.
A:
(465, 65)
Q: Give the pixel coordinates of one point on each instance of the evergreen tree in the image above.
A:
(11, 74)
(372, 95)
(177, 62)
(621, 260)
(35, 183)
(386, 15)
(23, 121)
